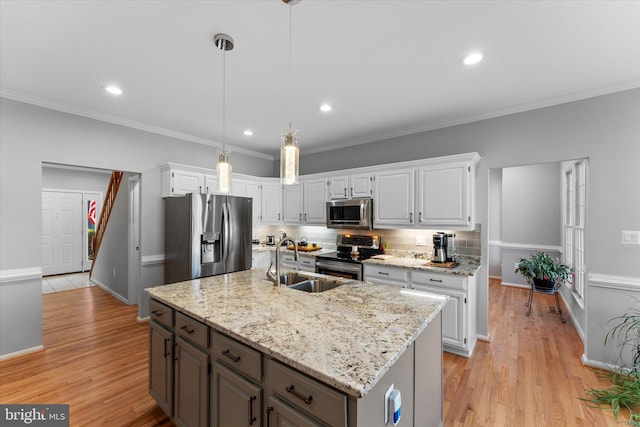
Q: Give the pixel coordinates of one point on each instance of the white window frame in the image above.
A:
(574, 224)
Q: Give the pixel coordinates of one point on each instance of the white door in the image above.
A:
(61, 232)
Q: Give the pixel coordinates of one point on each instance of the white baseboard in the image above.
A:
(142, 319)
(485, 338)
(19, 353)
(599, 365)
(515, 285)
(109, 290)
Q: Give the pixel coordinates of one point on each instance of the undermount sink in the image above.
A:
(315, 285)
(291, 278)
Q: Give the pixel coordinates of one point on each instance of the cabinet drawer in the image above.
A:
(376, 271)
(449, 281)
(192, 330)
(237, 355)
(161, 313)
(309, 395)
(308, 262)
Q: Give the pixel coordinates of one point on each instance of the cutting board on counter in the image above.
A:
(308, 248)
(441, 264)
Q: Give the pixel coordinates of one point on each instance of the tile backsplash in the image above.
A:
(467, 242)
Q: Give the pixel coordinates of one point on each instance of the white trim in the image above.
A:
(496, 277)
(20, 274)
(19, 353)
(549, 102)
(599, 365)
(152, 259)
(109, 290)
(497, 243)
(530, 247)
(53, 105)
(515, 285)
(485, 338)
(614, 282)
(142, 319)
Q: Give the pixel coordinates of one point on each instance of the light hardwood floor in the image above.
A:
(96, 361)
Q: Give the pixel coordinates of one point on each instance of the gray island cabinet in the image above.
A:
(233, 350)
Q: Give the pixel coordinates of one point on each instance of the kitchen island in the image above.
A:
(342, 349)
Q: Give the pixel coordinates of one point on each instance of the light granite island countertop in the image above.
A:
(348, 337)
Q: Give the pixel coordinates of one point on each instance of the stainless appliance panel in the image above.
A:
(239, 233)
(351, 214)
(206, 235)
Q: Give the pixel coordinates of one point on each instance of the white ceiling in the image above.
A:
(388, 67)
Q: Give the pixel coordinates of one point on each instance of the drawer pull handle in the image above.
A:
(230, 356)
(435, 280)
(292, 390)
(187, 329)
(383, 273)
(158, 313)
(252, 419)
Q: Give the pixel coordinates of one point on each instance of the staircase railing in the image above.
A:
(107, 206)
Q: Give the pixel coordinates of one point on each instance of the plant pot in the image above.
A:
(543, 285)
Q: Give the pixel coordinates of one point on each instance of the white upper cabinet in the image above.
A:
(315, 201)
(292, 204)
(304, 203)
(254, 190)
(350, 186)
(445, 196)
(271, 203)
(210, 184)
(393, 202)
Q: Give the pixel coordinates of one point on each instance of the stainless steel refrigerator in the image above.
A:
(206, 235)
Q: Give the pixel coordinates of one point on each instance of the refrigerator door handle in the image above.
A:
(226, 220)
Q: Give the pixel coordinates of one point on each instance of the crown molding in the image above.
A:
(70, 109)
(521, 108)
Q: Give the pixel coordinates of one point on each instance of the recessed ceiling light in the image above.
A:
(248, 132)
(472, 58)
(113, 90)
(325, 108)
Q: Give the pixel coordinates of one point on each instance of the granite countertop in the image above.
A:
(347, 337)
(269, 248)
(467, 265)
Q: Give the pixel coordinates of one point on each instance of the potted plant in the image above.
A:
(545, 271)
(624, 392)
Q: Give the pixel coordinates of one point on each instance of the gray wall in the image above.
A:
(604, 129)
(111, 269)
(531, 204)
(31, 135)
(74, 179)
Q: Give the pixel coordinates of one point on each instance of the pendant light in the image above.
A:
(223, 167)
(289, 151)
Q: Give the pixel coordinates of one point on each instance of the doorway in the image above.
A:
(61, 232)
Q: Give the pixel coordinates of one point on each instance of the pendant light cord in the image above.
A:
(224, 92)
(290, 67)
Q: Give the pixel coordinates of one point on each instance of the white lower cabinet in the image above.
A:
(260, 260)
(459, 315)
(384, 275)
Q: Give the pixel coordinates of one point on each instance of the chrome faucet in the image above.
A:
(279, 244)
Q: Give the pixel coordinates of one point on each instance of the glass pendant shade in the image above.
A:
(289, 157)
(223, 171)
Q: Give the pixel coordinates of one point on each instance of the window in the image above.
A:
(574, 222)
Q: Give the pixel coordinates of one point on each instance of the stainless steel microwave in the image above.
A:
(350, 213)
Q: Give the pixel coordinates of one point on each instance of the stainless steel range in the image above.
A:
(347, 260)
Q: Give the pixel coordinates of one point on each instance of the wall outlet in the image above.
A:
(420, 241)
(630, 237)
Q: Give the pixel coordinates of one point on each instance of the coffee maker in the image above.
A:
(444, 248)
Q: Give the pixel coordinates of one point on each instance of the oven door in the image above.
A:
(347, 270)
